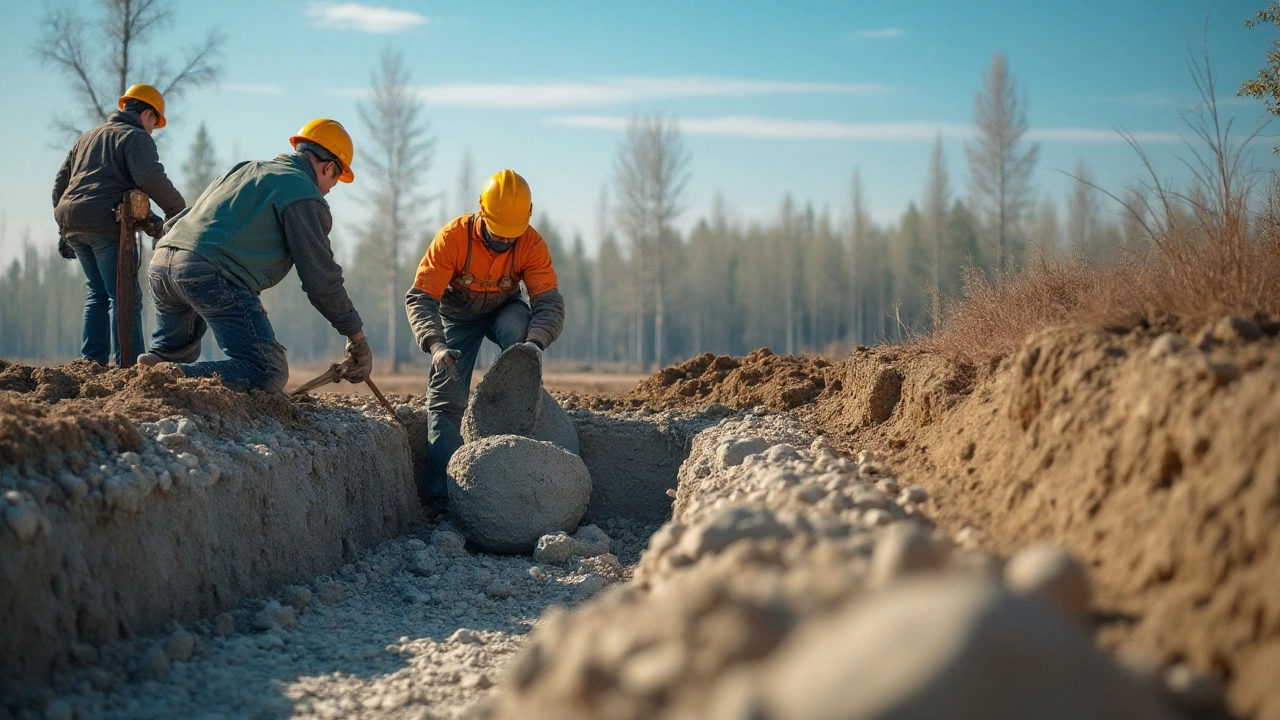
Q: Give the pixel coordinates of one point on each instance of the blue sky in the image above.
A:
(773, 97)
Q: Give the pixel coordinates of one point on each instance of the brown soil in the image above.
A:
(1158, 465)
(47, 410)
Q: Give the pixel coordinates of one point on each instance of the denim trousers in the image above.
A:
(193, 296)
(97, 258)
(447, 397)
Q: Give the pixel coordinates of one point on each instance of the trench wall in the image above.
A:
(187, 528)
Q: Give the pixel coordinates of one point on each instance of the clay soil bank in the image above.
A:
(1152, 456)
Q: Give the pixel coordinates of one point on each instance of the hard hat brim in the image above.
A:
(504, 231)
(346, 176)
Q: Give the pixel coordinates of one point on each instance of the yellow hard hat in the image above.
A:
(148, 95)
(506, 204)
(330, 135)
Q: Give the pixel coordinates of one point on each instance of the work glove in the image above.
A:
(443, 359)
(65, 249)
(153, 226)
(536, 348)
(358, 360)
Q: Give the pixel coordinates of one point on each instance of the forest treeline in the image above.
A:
(809, 279)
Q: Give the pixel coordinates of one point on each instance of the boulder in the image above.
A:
(507, 491)
(510, 400)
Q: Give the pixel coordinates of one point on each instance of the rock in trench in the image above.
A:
(507, 491)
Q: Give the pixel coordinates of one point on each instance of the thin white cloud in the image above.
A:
(1150, 98)
(1092, 135)
(365, 18)
(909, 131)
(881, 34)
(778, 129)
(620, 91)
(253, 88)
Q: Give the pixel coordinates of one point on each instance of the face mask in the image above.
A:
(494, 244)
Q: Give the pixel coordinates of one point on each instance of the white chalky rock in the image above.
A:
(180, 646)
(557, 548)
(185, 426)
(464, 636)
(1050, 574)
(164, 480)
(945, 647)
(172, 440)
(154, 664)
(507, 491)
(72, 485)
(904, 548)
(782, 453)
(23, 521)
(1192, 690)
(131, 458)
(914, 494)
(740, 522)
(272, 614)
(732, 452)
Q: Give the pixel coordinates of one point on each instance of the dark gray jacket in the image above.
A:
(105, 163)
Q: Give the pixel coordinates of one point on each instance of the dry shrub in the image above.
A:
(1215, 251)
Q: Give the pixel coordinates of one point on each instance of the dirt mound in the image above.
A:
(1152, 457)
(48, 410)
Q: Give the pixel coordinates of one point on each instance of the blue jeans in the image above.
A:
(192, 296)
(447, 397)
(97, 258)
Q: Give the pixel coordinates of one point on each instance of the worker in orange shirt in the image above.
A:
(468, 288)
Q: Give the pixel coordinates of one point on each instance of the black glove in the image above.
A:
(65, 249)
(153, 226)
(358, 359)
(443, 359)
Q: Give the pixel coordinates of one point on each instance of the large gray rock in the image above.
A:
(510, 400)
(949, 647)
(507, 491)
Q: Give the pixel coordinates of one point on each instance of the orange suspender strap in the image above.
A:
(466, 279)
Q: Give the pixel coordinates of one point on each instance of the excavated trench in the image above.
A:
(181, 542)
(214, 566)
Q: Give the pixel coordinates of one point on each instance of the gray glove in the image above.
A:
(443, 359)
(65, 249)
(358, 359)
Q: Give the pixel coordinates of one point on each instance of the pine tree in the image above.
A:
(201, 167)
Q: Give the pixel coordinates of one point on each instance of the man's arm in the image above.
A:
(63, 180)
(424, 318)
(548, 317)
(306, 232)
(144, 167)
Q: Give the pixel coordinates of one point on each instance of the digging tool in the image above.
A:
(335, 373)
(130, 213)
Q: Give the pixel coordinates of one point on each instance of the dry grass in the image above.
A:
(1215, 251)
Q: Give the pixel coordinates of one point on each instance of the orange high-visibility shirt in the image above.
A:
(446, 261)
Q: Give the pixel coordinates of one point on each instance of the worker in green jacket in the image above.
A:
(249, 228)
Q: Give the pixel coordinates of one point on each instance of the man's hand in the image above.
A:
(65, 249)
(536, 348)
(358, 359)
(153, 226)
(443, 359)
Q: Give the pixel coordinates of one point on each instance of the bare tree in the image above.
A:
(1082, 215)
(651, 171)
(101, 59)
(1000, 164)
(937, 198)
(400, 158)
(859, 236)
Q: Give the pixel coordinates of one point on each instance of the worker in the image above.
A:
(105, 164)
(243, 235)
(467, 288)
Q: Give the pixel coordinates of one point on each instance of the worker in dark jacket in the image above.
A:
(107, 162)
(244, 234)
(467, 288)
